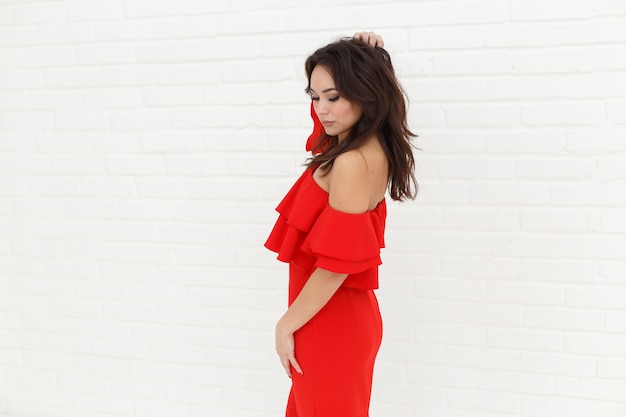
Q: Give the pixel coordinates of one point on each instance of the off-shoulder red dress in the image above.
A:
(337, 347)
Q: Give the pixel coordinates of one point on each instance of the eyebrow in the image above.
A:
(326, 90)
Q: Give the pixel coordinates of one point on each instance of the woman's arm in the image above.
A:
(349, 192)
(319, 288)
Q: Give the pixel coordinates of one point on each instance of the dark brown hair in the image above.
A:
(364, 76)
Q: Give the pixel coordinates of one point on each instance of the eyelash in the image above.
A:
(331, 99)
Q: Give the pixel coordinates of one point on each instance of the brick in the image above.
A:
(606, 296)
(107, 187)
(449, 289)
(537, 10)
(617, 112)
(485, 401)
(5, 15)
(452, 37)
(611, 271)
(612, 368)
(102, 404)
(135, 165)
(526, 34)
(266, 70)
(63, 142)
(186, 27)
(38, 13)
(524, 142)
(166, 52)
(518, 382)
(172, 96)
(476, 168)
(69, 165)
(592, 388)
(613, 409)
(553, 221)
(185, 73)
(484, 313)
(594, 344)
(59, 99)
(582, 113)
(521, 293)
(593, 86)
(482, 115)
(451, 334)
(18, 142)
(481, 219)
(431, 375)
(18, 36)
(566, 271)
(251, 22)
(548, 318)
(611, 57)
(484, 358)
(37, 248)
(121, 75)
(71, 77)
(112, 98)
(83, 383)
(69, 229)
(523, 339)
(483, 63)
(150, 8)
(509, 195)
(13, 100)
(82, 10)
(104, 54)
(546, 406)
(48, 56)
(574, 60)
(20, 80)
(556, 169)
(80, 120)
(60, 33)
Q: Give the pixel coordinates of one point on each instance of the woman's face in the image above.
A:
(337, 114)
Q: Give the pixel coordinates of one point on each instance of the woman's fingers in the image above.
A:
(288, 363)
(371, 38)
(285, 347)
(287, 366)
(295, 365)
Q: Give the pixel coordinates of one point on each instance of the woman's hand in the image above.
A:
(285, 347)
(370, 38)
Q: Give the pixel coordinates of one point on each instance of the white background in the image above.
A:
(145, 143)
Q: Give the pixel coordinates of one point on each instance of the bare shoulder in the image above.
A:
(351, 163)
(358, 179)
(349, 188)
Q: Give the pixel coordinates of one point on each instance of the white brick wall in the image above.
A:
(144, 145)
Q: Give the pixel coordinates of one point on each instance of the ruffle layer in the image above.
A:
(311, 233)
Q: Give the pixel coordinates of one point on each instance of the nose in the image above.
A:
(320, 107)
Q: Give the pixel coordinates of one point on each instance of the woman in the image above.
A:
(331, 226)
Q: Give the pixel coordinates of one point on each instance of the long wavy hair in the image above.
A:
(365, 76)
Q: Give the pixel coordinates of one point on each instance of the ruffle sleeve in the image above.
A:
(346, 243)
(310, 233)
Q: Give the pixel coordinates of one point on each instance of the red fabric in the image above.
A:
(318, 130)
(337, 350)
(310, 233)
(337, 347)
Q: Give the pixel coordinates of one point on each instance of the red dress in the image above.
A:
(337, 347)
